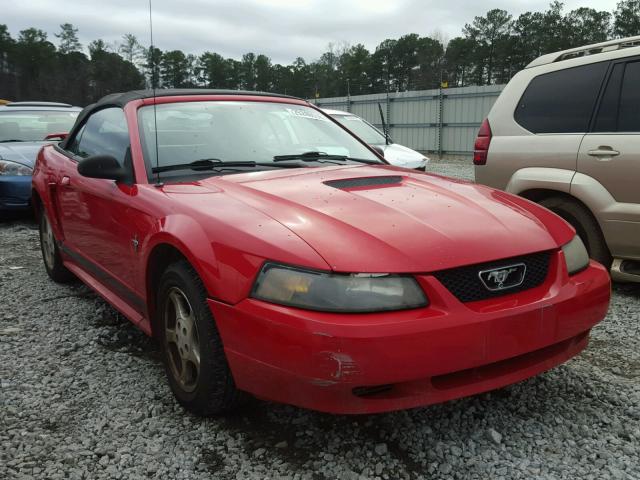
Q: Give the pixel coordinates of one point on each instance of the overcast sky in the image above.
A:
(281, 29)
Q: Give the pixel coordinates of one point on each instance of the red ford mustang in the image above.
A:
(270, 251)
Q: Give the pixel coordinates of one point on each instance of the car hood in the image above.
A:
(402, 156)
(21, 152)
(387, 219)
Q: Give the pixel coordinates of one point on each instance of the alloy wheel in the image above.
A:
(181, 338)
(48, 242)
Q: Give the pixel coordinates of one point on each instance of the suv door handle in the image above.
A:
(603, 151)
(64, 181)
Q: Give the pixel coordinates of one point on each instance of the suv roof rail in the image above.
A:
(38, 104)
(594, 49)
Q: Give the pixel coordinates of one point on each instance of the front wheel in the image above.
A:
(193, 354)
(51, 253)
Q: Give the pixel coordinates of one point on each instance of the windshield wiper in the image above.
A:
(11, 140)
(315, 156)
(205, 164)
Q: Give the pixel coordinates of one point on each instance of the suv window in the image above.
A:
(562, 101)
(620, 107)
(629, 117)
(607, 119)
(104, 133)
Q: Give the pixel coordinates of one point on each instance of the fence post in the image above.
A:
(348, 96)
(440, 112)
(388, 110)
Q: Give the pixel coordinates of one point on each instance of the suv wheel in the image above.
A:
(586, 226)
(193, 354)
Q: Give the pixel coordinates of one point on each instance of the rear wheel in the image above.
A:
(585, 224)
(194, 357)
(51, 253)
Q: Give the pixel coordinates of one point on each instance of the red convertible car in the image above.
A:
(272, 252)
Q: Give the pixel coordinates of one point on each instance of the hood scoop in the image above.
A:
(364, 182)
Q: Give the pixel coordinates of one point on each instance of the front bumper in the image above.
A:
(388, 361)
(15, 192)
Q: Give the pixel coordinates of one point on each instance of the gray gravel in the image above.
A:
(83, 395)
(462, 169)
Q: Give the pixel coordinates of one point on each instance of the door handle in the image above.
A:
(603, 151)
(65, 181)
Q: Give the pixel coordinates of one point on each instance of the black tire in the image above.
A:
(585, 224)
(51, 253)
(213, 390)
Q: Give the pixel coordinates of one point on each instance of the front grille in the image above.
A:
(465, 284)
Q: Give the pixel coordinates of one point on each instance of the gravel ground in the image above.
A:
(461, 170)
(83, 395)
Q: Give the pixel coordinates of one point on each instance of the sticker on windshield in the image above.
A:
(306, 113)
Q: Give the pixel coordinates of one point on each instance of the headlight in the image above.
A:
(13, 168)
(576, 256)
(332, 292)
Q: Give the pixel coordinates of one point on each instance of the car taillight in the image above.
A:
(481, 147)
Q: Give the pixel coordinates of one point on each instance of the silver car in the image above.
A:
(394, 153)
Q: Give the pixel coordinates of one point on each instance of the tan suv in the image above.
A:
(565, 132)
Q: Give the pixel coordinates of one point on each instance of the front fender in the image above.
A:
(43, 182)
(228, 253)
(200, 252)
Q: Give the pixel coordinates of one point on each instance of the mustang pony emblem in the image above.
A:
(499, 276)
(502, 278)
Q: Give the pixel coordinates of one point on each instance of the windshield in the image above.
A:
(230, 131)
(33, 125)
(362, 129)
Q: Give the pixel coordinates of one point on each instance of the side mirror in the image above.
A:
(103, 166)
(53, 136)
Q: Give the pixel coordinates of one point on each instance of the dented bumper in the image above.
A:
(365, 363)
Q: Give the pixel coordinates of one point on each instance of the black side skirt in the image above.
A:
(109, 280)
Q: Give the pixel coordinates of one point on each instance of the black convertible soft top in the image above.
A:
(121, 99)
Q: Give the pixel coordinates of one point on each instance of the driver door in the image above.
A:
(97, 215)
